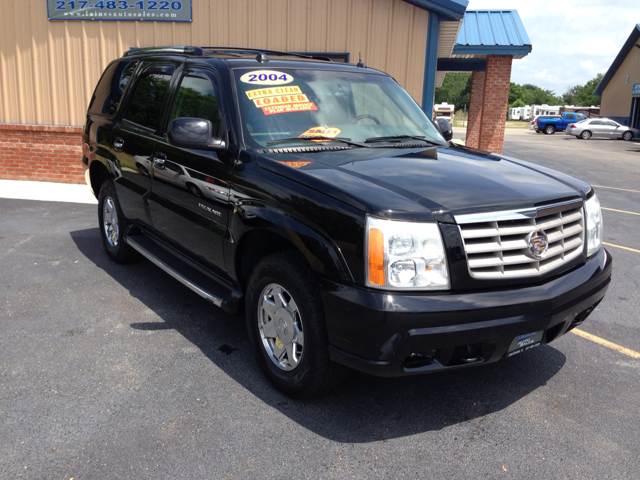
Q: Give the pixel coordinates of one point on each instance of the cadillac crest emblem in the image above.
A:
(537, 244)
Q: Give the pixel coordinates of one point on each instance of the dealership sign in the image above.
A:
(636, 89)
(121, 10)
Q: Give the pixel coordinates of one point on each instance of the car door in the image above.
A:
(613, 129)
(134, 137)
(190, 189)
(597, 128)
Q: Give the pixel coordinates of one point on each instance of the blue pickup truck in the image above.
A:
(551, 124)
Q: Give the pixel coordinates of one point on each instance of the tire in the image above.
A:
(549, 130)
(586, 135)
(627, 136)
(112, 224)
(283, 289)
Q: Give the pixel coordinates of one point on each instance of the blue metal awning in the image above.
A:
(492, 32)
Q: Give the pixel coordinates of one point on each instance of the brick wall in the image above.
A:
(46, 153)
(488, 104)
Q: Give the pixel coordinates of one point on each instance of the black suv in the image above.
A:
(321, 200)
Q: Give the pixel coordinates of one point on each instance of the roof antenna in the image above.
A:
(262, 57)
(360, 64)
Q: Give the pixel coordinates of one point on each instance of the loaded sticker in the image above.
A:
(266, 77)
(321, 132)
(280, 100)
(294, 164)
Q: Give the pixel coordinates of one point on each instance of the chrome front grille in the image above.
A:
(497, 248)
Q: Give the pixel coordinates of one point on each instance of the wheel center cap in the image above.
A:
(284, 325)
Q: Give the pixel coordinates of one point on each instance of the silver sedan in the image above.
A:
(601, 128)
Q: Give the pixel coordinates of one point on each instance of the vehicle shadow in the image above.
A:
(365, 408)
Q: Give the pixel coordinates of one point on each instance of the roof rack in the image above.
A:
(174, 49)
(199, 51)
(262, 50)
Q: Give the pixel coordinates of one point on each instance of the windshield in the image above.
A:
(291, 104)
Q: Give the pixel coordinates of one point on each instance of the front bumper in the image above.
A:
(392, 334)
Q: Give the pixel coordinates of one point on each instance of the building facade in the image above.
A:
(49, 67)
(620, 86)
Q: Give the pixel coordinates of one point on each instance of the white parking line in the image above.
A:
(616, 188)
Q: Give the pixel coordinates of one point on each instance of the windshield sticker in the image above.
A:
(280, 100)
(321, 132)
(294, 164)
(272, 92)
(289, 107)
(266, 77)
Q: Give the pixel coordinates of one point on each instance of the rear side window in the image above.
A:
(111, 87)
(149, 96)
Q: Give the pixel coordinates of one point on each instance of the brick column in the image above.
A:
(496, 98)
(476, 100)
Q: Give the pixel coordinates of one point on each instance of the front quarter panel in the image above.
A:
(328, 233)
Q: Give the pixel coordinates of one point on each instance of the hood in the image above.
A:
(435, 182)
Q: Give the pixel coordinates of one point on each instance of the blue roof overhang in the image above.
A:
(624, 51)
(492, 32)
(447, 9)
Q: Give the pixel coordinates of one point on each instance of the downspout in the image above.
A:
(430, 64)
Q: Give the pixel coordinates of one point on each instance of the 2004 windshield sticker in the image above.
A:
(284, 99)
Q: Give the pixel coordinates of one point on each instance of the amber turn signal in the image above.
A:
(376, 257)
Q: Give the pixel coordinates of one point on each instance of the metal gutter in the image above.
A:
(430, 64)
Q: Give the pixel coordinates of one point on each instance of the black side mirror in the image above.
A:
(444, 127)
(195, 133)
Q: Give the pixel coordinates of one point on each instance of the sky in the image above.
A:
(572, 40)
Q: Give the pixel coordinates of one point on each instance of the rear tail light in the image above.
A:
(573, 125)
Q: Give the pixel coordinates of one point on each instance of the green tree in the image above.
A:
(515, 93)
(583, 94)
(455, 89)
(518, 103)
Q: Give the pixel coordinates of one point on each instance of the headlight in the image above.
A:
(405, 256)
(594, 224)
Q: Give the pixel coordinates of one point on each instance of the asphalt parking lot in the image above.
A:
(111, 371)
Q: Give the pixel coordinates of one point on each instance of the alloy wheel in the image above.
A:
(110, 222)
(280, 326)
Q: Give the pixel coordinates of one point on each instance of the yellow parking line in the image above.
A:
(619, 246)
(621, 211)
(606, 343)
(616, 188)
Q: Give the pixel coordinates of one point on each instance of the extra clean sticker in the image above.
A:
(266, 77)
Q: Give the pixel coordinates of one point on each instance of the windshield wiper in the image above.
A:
(396, 137)
(317, 137)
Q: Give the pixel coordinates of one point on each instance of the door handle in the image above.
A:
(118, 144)
(158, 160)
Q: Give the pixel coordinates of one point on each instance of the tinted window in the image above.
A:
(150, 95)
(197, 97)
(579, 116)
(611, 123)
(570, 116)
(596, 122)
(112, 85)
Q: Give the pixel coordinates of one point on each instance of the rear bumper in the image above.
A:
(387, 334)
